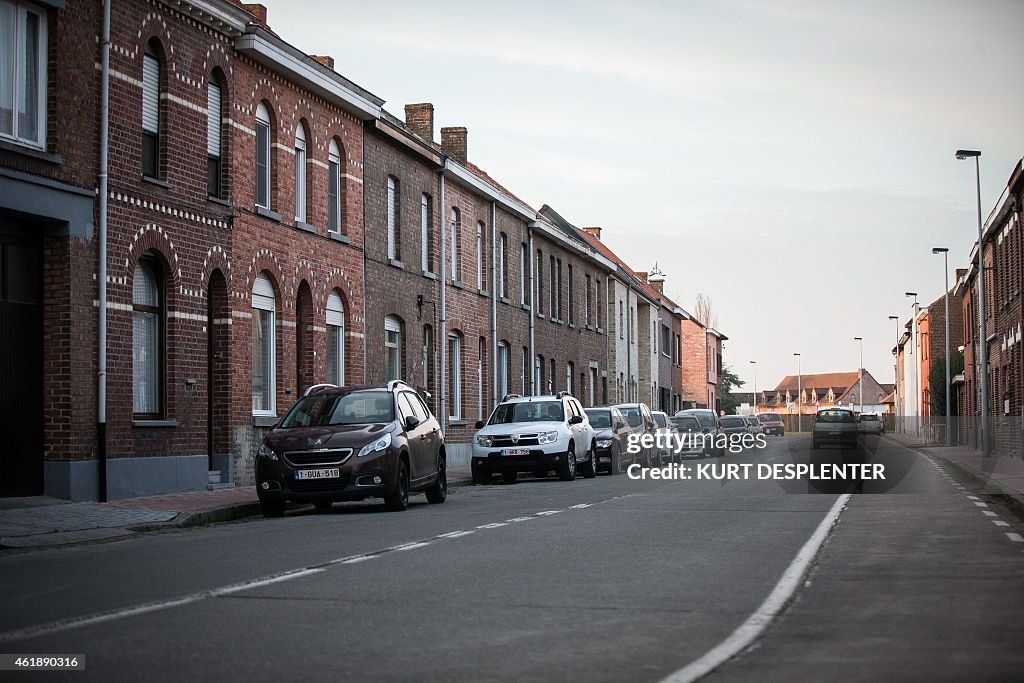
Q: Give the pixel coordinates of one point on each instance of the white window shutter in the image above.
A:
(213, 120)
(150, 94)
(335, 310)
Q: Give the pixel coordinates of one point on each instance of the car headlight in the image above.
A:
(604, 443)
(378, 445)
(484, 440)
(547, 437)
(265, 452)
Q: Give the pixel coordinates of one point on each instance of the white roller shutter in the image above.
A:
(263, 294)
(335, 310)
(150, 94)
(213, 120)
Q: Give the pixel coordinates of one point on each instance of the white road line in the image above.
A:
(547, 512)
(988, 513)
(1015, 537)
(409, 546)
(216, 592)
(456, 534)
(982, 505)
(492, 525)
(580, 506)
(973, 498)
(780, 596)
(999, 522)
(357, 559)
(519, 519)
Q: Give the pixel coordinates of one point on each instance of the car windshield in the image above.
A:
(769, 417)
(732, 421)
(632, 415)
(869, 418)
(357, 407)
(528, 411)
(835, 416)
(600, 419)
(752, 421)
(660, 419)
(686, 423)
(707, 420)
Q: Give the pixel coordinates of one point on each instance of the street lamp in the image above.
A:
(799, 396)
(895, 368)
(982, 343)
(754, 363)
(860, 372)
(917, 367)
(949, 407)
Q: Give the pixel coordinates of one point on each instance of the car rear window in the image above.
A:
(528, 411)
(599, 419)
(732, 421)
(769, 417)
(660, 419)
(869, 418)
(359, 407)
(706, 419)
(632, 416)
(835, 416)
(686, 423)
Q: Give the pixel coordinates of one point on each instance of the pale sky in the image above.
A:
(791, 159)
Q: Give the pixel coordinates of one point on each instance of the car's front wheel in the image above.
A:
(567, 471)
(398, 499)
(438, 492)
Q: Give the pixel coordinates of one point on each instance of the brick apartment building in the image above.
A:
(268, 226)
(931, 324)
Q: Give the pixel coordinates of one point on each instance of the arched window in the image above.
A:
(569, 370)
(428, 358)
(524, 265)
(427, 233)
(481, 255)
(264, 334)
(335, 339)
(394, 220)
(538, 375)
(214, 125)
(455, 375)
(147, 338)
(503, 368)
(502, 273)
(334, 193)
(551, 378)
(455, 248)
(393, 365)
(263, 157)
(151, 122)
(300, 174)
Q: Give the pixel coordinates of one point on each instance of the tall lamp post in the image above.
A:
(799, 396)
(754, 363)
(895, 368)
(949, 406)
(917, 367)
(983, 342)
(860, 372)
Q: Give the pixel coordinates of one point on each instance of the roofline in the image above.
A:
(226, 17)
(557, 235)
(408, 140)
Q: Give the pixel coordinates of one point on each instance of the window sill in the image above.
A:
(503, 300)
(588, 326)
(525, 307)
(428, 274)
(218, 200)
(457, 422)
(572, 326)
(264, 420)
(156, 181)
(34, 152)
(267, 213)
(395, 263)
(154, 423)
(482, 292)
(302, 225)
(339, 237)
(457, 284)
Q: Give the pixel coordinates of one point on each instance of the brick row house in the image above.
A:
(267, 225)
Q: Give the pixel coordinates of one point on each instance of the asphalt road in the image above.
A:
(606, 579)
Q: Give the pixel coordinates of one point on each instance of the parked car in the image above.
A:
(639, 417)
(834, 426)
(611, 434)
(666, 432)
(534, 434)
(694, 445)
(734, 426)
(755, 425)
(870, 423)
(772, 424)
(351, 443)
(709, 423)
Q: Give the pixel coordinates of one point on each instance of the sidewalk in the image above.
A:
(40, 521)
(1000, 475)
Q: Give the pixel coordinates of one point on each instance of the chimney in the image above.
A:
(420, 120)
(658, 283)
(642, 274)
(325, 60)
(257, 10)
(453, 143)
(595, 231)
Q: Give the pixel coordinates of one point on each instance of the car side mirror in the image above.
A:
(575, 420)
(412, 422)
(479, 424)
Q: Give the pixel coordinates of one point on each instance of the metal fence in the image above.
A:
(1007, 433)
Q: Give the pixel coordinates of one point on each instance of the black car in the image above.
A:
(351, 443)
(639, 418)
(612, 434)
(736, 428)
(709, 424)
(694, 445)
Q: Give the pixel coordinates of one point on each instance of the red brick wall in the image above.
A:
(694, 372)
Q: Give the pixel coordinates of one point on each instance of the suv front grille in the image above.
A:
(505, 441)
(327, 456)
(318, 485)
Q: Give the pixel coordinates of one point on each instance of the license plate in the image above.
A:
(329, 473)
(515, 451)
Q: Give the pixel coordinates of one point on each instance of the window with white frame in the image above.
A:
(586, 303)
(334, 186)
(455, 375)
(23, 53)
(502, 273)
(481, 378)
(569, 370)
(539, 279)
(392, 348)
(335, 339)
(455, 249)
(597, 302)
(481, 255)
(622, 326)
(264, 309)
(427, 233)
(503, 369)
(551, 377)
(263, 156)
(524, 379)
(572, 310)
(393, 218)
(553, 293)
(147, 337)
(427, 358)
(300, 174)
(538, 375)
(524, 265)
(151, 125)
(214, 124)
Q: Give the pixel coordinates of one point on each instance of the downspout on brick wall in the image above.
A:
(494, 307)
(443, 333)
(533, 313)
(101, 398)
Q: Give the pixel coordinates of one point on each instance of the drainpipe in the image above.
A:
(101, 398)
(532, 360)
(494, 306)
(443, 335)
(1015, 202)
(629, 346)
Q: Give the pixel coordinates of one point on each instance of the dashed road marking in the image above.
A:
(988, 513)
(999, 522)
(1015, 537)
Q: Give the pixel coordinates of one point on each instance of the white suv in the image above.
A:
(534, 434)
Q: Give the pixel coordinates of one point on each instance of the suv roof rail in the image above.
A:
(317, 388)
(398, 383)
(508, 396)
(563, 394)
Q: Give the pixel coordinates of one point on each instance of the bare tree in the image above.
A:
(704, 311)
